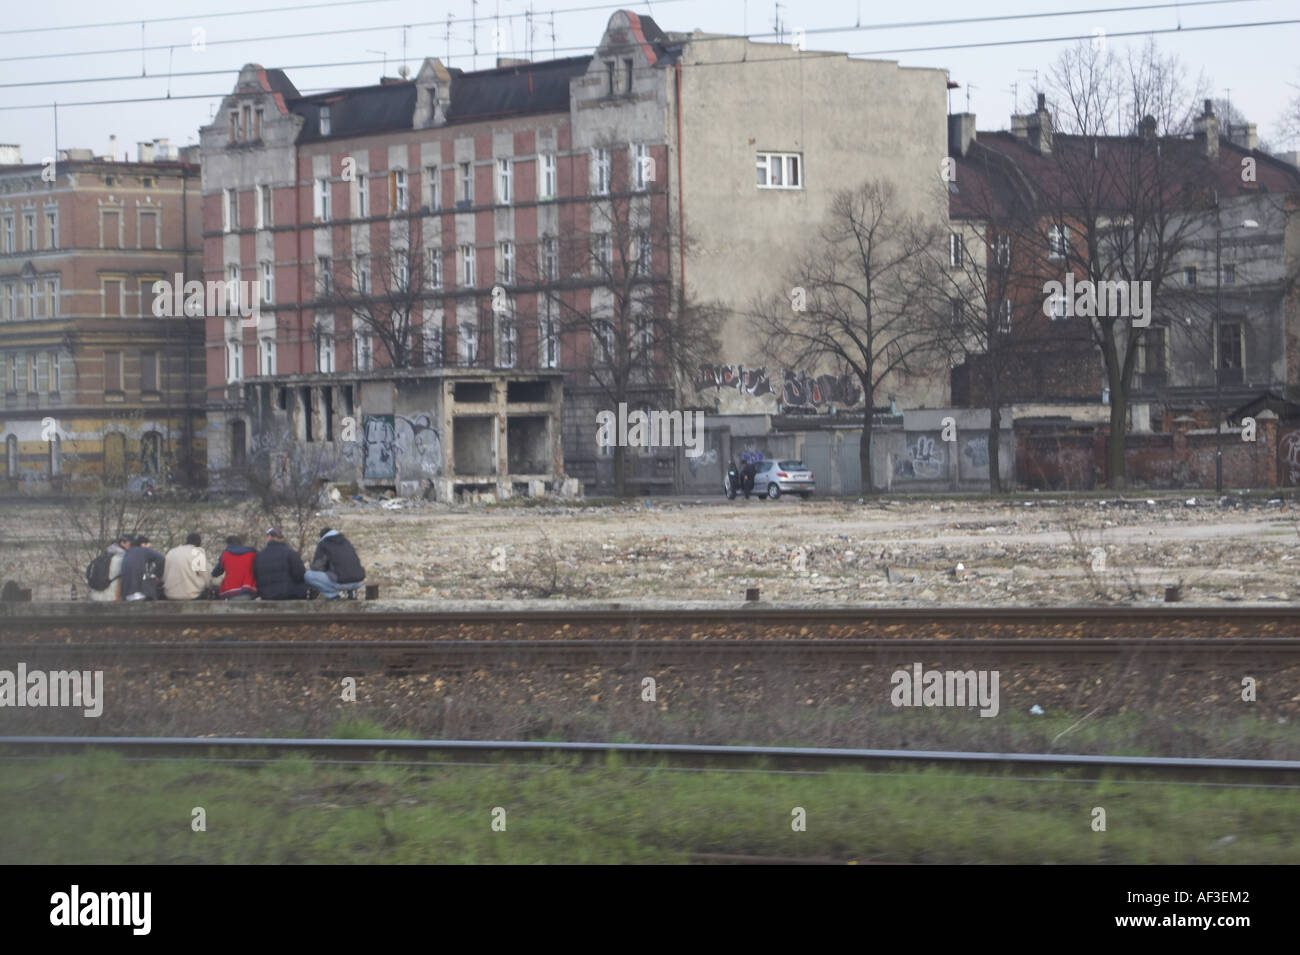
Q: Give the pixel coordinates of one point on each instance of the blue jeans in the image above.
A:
(328, 589)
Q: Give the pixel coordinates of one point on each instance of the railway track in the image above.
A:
(254, 751)
(423, 653)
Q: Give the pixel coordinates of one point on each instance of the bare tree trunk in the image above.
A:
(1118, 407)
(620, 471)
(995, 448)
(864, 450)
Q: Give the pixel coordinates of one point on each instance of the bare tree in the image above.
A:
(383, 291)
(861, 299)
(288, 478)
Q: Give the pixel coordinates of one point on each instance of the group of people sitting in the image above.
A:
(129, 569)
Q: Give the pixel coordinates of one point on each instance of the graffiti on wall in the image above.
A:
(378, 447)
(753, 382)
(976, 451)
(419, 446)
(1290, 449)
(923, 461)
(800, 391)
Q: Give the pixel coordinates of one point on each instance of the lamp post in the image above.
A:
(1218, 344)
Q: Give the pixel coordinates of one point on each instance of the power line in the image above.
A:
(193, 16)
(734, 62)
(915, 24)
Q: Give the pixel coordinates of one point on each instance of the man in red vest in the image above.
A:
(235, 567)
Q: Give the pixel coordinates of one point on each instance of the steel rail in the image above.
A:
(675, 750)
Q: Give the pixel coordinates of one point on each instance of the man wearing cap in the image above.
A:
(142, 569)
(278, 570)
(335, 566)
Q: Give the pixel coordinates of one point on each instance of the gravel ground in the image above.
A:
(1029, 550)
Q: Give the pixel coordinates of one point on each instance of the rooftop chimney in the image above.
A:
(961, 133)
(10, 154)
(1207, 131)
(1040, 127)
(1244, 135)
(1147, 127)
(432, 94)
(144, 152)
(112, 148)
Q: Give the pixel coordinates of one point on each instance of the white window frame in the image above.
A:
(777, 170)
(603, 336)
(401, 200)
(324, 352)
(467, 343)
(550, 258)
(548, 336)
(234, 361)
(1002, 250)
(506, 262)
(363, 196)
(600, 171)
(321, 209)
(604, 254)
(547, 179)
(1058, 241)
(233, 289)
(325, 275)
(326, 121)
(8, 235)
(641, 166)
(1004, 318)
(363, 351)
(508, 352)
(467, 266)
(55, 382)
(505, 181)
(51, 228)
(230, 210)
(644, 251)
(268, 283)
(263, 206)
(435, 268)
(29, 231)
(266, 355)
(431, 337)
(363, 275)
(433, 179)
(466, 175)
(955, 249)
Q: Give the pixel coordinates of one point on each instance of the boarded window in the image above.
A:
(148, 230)
(112, 371)
(148, 371)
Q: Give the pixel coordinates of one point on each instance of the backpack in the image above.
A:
(97, 572)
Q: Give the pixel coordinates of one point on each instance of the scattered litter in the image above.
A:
(392, 504)
(1037, 710)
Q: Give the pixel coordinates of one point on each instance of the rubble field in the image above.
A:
(1027, 550)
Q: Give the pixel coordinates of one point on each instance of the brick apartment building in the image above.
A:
(94, 384)
(1050, 374)
(482, 180)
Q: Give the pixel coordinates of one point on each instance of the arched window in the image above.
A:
(238, 443)
(150, 452)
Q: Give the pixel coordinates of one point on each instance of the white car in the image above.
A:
(775, 478)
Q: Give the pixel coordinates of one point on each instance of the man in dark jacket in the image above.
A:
(278, 570)
(335, 566)
(142, 569)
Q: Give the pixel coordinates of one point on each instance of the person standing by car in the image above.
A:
(278, 570)
(335, 566)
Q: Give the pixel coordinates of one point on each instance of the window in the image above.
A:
(363, 274)
(1058, 241)
(399, 190)
(51, 229)
(258, 115)
(467, 265)
(1189, 276)
(627, 76)
(1004, 318)
(506, 257)
(467, 182)
(433, 186)
(363, 197)
(234, 126)
(611, 72)
(150, 452)
(550, 258)
(7, 235)
(958, 312)
(363, 351)
(148, 229)
(324, 352)
(325, 276)
(322, 204)
(234, 361)
(112, 371)
(467, 343)
(1230, 346)
(600, 172)
(642, 166)
(112, 291)
(505, 181)
(546, 182)
(266, 356)
(955, 247)
(604, 258)
(233, 290)
(55, 383)
(643, 254)
(232, 210)
(1229, 275)
(780, 171)
(33, 374)
(508, 353)
(268, 283)
(1151, 350)
(403, 270)
(431, 338)
(32, 301)
(1003, 250)
(603, 342)
(264, 220)
(246, 120)
(435, 268)
(326, 125)
(14, 373)
(109, 230)
(29, 230)
(146, 298)
(146, 182)
(148, 372)
(548, 336)
(645, 337)
(9, 302)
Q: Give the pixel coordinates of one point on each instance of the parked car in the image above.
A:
(774, 478)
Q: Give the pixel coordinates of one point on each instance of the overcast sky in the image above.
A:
(1257, 64)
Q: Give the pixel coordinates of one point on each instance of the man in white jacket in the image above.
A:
(185, 570)
(114, 589)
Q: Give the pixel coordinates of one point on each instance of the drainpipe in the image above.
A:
(681, 218)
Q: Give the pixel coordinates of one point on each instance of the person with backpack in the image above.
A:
(278, 570)
(335, 566)
(235, 567)
(142, 570)
(104, 575)
(185, 570)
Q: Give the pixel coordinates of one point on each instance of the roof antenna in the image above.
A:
(552, 34)
(405, 71)
(383, 53)
(474, 31)
(143, 71)
(969, 87)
